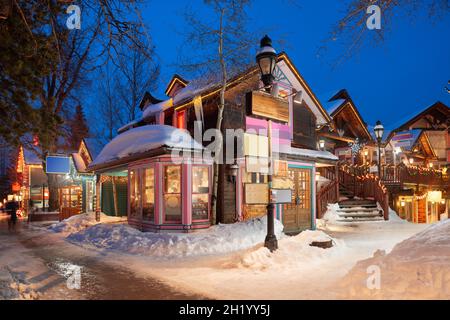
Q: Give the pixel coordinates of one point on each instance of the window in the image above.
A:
(148, 206)
(134, 194)
(200, 193)
(181, 123)
(172, 194)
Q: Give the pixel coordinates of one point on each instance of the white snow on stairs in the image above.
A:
(356, 210)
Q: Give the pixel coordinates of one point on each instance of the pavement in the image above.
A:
(38, 264)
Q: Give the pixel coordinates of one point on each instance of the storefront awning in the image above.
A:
(140, 141)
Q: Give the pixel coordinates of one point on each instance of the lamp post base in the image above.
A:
(270, 242)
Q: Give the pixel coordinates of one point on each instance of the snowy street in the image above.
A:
(164, 267)
(35, 265)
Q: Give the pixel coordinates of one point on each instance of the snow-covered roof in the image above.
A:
(155, 108)
(313, 154)
(94, 146)
(332, 106)
(78, 161)
(31, 157)
(144, 139)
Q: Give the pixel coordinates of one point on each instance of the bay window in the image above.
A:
(148, 205)
(200, 193)
(172, 194)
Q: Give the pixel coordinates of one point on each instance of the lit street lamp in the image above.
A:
(379, 130)
(321, 144)
(266, 59)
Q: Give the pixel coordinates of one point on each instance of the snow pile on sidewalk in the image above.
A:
(218, 239)
(294, 253)
(81, 222)
(417, 268)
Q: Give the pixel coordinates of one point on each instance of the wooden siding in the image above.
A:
(304, 126)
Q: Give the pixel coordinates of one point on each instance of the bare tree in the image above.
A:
(135, 74)
(352, 32)
(222, 47)
(106, 26)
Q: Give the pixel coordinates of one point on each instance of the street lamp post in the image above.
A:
(379, 130)
(266, 59)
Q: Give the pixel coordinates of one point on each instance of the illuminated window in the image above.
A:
(148, 206)
(134, 194)
(200, 193)
(172, 194)
(181, 123)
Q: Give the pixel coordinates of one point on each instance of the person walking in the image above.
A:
(12, 208)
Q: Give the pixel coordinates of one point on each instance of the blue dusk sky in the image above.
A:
(388, 81)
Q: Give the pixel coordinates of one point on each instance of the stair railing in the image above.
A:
(365, 186)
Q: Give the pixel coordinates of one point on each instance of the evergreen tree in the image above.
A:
(78, 128)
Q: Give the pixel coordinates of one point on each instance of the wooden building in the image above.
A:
(347, 127)
(416, 164)
(163, 195)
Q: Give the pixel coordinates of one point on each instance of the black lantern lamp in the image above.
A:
(379, 131)
(266, 59)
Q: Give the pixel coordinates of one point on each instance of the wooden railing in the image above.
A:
(401, 174)
(326, 195)
(365, 186)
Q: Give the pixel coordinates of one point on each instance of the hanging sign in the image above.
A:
(57, 165)
(279, 196)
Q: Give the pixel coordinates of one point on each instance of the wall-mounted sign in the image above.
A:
(281, 196)
(256, 146)
(257, 165)
(256, 193)
(57, 164)
(267, 106)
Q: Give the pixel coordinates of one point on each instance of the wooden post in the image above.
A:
(337, 182)
(98, 190)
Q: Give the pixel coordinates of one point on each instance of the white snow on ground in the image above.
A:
(294, 252)
(82, 221)
(218, 239)
(417, 268)
(295, 270)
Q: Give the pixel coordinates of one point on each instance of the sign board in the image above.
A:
(267, 106)
(403, 139)
(256, 146)
(57, 164)
(281, 196)
(256, 193)
(257, 165)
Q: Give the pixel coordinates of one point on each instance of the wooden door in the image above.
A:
(297, 214)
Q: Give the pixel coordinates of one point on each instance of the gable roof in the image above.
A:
(338, 102)
(148, 98)
(176, 79)
(185, 97)
(438, 108)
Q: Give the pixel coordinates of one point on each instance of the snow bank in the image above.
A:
(294, 253)
(81, 222)
(416, 268)
(218, 239)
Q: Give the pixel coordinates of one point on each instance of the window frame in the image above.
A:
(163, 205)
(197, 193)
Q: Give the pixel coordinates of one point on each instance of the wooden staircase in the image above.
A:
(359, 210)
